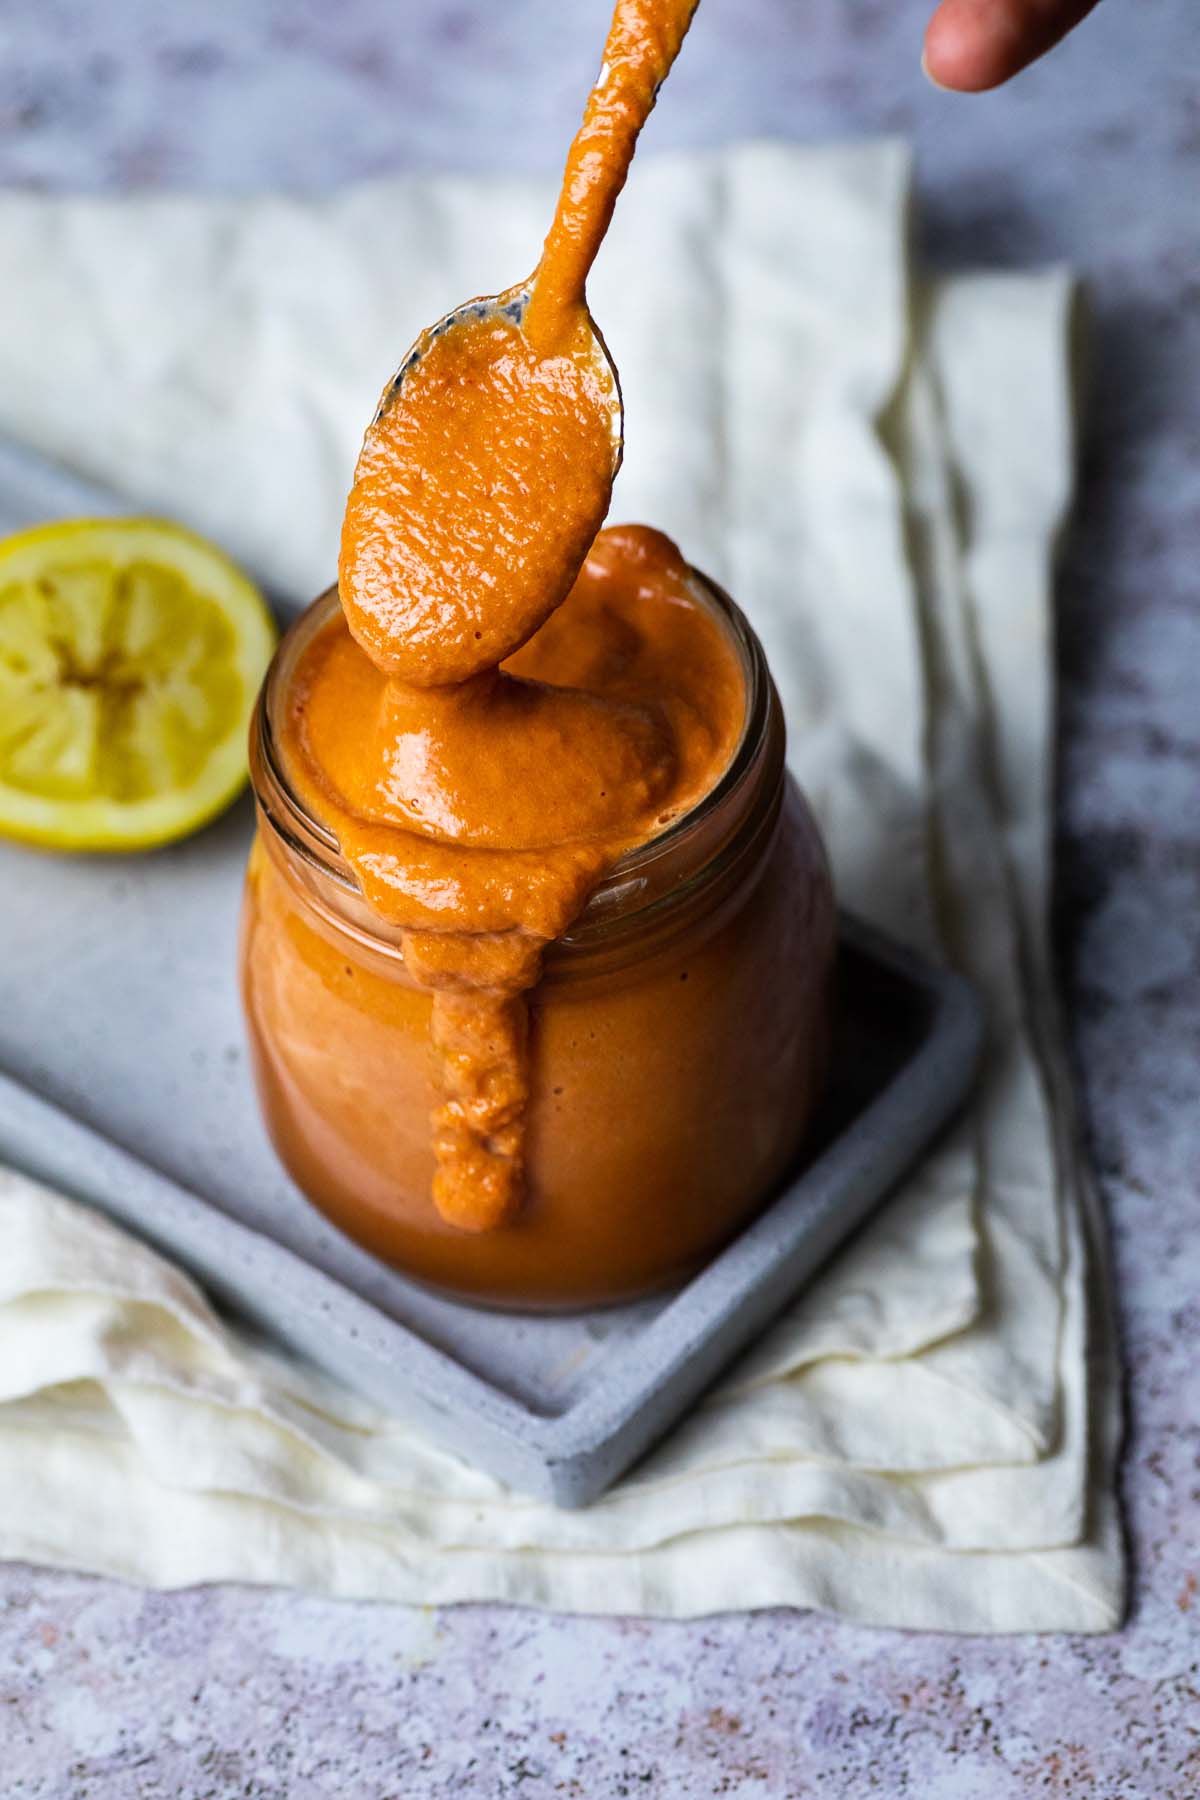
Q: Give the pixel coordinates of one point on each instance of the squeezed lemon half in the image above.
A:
(131, 652)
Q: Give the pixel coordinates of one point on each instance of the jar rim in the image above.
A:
(310, 838)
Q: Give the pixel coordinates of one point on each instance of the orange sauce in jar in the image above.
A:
(668, 1059)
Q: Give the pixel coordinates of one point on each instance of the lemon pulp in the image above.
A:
(131, 651)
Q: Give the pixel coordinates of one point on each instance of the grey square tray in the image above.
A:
(561, 1406)
(125, 1083)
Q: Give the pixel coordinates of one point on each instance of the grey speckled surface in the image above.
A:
(111, 1694)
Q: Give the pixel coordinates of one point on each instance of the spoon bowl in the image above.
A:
(484, 476)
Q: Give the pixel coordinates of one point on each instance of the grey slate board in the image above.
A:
(120, 1030)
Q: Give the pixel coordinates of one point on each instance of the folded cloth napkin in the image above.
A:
(877, 466)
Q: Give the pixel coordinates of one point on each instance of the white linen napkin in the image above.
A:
(877, 467)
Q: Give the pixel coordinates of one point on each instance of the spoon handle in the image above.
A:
(643, 41)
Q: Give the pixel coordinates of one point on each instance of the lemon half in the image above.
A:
(131, 652)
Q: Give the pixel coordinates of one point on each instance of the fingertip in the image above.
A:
(965, 49)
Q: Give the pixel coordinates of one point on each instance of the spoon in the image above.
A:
(488, 468)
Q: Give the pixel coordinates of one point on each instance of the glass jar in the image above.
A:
(678, 1039)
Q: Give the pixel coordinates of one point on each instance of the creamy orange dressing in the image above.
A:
(475, 498)
(480, 805)
(480, 817)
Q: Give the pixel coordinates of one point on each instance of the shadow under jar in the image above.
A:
(679, 1037)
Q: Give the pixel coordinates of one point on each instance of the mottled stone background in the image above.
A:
(1093, 158)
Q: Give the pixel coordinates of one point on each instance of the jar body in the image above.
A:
(671, 1080)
